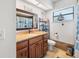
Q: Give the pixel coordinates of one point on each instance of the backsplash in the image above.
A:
(21, 31)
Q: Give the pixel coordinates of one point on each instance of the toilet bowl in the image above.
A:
(51, 45)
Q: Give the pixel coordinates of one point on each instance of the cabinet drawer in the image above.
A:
(33, 40)
(21, 45)
(23, 53)
(46, 36)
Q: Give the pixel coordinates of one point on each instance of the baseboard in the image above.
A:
(62, 45)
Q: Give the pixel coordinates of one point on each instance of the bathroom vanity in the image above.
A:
(33, 45)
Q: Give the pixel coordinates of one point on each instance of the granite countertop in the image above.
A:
(26, 36)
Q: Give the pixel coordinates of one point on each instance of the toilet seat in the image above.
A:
(51, 42)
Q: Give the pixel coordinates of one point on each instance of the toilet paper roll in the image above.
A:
(56, 35)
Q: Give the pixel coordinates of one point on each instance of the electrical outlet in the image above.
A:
(1, 34)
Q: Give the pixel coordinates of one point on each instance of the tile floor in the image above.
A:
(57, 53)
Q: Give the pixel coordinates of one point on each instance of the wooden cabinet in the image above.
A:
(45, 50)
(39, 49)
(45, 44)
(22, 49)
(36, 48)
(23, 53)
(22, 44)
(32, 48)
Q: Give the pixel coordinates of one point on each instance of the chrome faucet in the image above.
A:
(29, 31)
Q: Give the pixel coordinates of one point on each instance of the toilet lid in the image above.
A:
(51, 42)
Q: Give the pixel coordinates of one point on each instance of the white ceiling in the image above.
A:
(46, 3)
(43, 4)
(55, 0)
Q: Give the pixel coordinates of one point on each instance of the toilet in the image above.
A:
(51, 45)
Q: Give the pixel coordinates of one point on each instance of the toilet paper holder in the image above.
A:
(56, 35)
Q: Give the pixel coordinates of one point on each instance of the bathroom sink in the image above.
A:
(30, 35)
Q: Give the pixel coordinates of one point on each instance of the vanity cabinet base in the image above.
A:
(32, 48)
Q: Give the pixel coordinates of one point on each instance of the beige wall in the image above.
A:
(64, 3)
(8, 24)
(29, 7)
(66, 32)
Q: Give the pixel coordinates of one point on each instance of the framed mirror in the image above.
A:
(25, 20)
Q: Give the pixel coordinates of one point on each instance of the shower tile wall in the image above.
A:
(77, 34)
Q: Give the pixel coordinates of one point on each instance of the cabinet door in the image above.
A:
(39, 49)
(45, 46)
(45, 50)
(45, 43)
(23, 53)
(32, 52)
